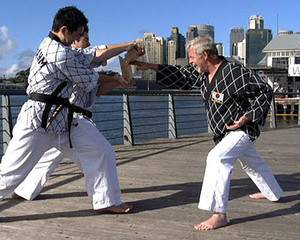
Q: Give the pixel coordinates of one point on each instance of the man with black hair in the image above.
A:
(46, 119)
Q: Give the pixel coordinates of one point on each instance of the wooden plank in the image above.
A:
(162, 179)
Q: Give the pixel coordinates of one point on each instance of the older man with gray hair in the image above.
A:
(236, 101)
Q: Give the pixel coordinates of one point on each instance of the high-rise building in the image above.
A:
(256, 39)
(191, 33)
(171, 52)
(171, 58)
(237, 34)
(220, 49)
(200, 31)
(256, 22)
(154, 53)
(176, 42)
(241, 51)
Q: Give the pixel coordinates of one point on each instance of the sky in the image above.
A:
(24, 24)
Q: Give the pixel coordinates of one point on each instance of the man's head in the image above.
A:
(201, 51)
(84, 40)
(68, 24)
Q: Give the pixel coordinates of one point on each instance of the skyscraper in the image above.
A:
(256, 39)
(256, 22)
(176, 42)
(171, 52)
(237, 34)
(201, 31)
(192, 32)
(154, 53)
(220, 49)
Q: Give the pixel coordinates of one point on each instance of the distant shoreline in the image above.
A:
(12, 86)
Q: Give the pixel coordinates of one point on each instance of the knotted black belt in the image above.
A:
(61, 103)
(218, 138)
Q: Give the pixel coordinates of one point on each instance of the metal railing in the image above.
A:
(129, 116)
(134, 116)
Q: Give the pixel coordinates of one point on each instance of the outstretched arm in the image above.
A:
(106, 88)
(173, 77)
(114, 50)
(145, 65)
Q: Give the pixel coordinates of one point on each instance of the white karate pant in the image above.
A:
(36, 179)
(219, 164)
(91, 151)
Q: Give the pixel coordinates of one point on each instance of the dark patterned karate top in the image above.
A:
(234, 91)
(53, 64)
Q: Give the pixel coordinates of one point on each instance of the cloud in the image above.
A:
(24, 62)
(6, 45)
(25, 58)
(142, 31)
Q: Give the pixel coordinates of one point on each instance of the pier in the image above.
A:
(162, 180)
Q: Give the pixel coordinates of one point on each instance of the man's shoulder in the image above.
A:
(56, 52)
(235, 67)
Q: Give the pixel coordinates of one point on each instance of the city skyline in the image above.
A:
(123, 21)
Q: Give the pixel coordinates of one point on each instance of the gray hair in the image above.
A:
(201, 44)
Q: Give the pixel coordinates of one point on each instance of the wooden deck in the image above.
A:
(162, 180)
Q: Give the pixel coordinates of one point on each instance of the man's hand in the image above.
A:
(125, 83)
(239, 123)
(137, 45)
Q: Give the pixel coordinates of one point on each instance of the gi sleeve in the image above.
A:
(84, 55)
(174, 77)
(87, 55)
(261, 95)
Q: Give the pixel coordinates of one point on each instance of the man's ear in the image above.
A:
(63, 30)
(205, 54)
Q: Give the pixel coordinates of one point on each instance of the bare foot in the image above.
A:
(117, 209)
(257, 196)
(15, 196)
(217, 220)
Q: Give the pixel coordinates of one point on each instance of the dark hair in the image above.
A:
(71, 17)
(86, 29)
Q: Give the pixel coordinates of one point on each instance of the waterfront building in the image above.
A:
(220, 49)
(171, 52)
(256, 22)
(200, 31)
(256, 39)
(181, 61)
(237, 35)
(175, 46)
(155, 48)
(179, 42)
(283, 52)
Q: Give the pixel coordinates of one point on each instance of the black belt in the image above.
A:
(60, 102)
(218, 138)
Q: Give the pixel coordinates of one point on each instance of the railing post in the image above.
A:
(299, 112)
(273, 119)
(6, 121)
(172, 117)
(127, 125)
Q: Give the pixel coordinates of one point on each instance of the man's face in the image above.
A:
(195, 59)
(83, 42)
(69, 38)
